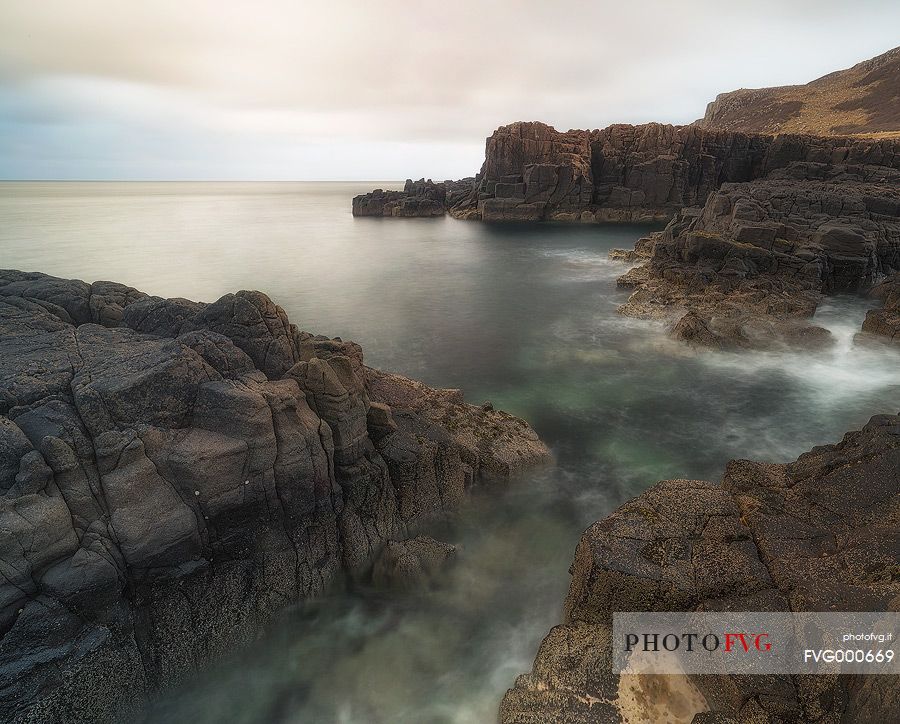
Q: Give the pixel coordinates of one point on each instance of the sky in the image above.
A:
(379, 89)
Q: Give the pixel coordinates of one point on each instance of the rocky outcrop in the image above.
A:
(637, 173)
(533, 172)
(751, 265)
(884, 323)
(174, 473)
(418, 198)
(514, 447)
(761, 226)
(818, 534)
(864, 99)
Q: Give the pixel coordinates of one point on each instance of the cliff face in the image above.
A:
(817, 534)
(533, 172)
(173, 473)
(864, 99)
(636, 173)
(620, 173)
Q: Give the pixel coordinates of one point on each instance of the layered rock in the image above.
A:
(752, 264)
(761, 227)
(418, 198)
(174, 473)
(639, 173)
(533, 172)
(818, 534)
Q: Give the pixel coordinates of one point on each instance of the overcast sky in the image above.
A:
(379, 89)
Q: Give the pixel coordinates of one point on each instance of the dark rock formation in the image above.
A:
(513, 445)
(753, 262)
(418, 198)
(885, 322)
(637, 173)
(533, 172)
(174, 473)
(861, 99)
(818, 534)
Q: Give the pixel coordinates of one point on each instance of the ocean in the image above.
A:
(523, 316)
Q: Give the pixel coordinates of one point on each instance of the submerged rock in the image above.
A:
(413, 563)
(174, 473)
(818, 534)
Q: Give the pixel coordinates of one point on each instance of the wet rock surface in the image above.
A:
(884, 323)
(750, 267)
(817, 534)
(174, 473)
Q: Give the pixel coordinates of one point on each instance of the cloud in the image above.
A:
(307, 75)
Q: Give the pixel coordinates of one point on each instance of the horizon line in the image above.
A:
(196, 180)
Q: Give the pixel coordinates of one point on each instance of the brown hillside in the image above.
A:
(862, 100)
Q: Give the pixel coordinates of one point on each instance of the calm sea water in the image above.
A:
(521, 315)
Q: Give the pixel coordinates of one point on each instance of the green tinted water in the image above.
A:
(521, 315)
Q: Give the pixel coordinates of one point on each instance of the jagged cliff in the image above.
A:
(864, 99)
(173, 473)
(533, 172)
(818, 534)
(631, 173)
